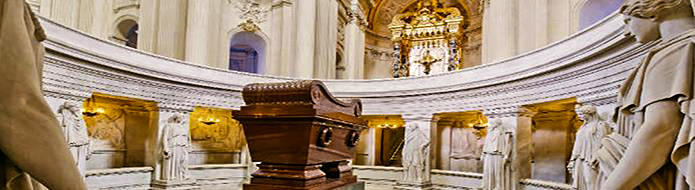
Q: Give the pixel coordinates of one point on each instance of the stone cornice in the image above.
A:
(457, 174)
(545, 184)
(118, 171)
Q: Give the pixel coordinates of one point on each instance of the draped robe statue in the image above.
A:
(174, 147)
(33, 150)
(75, 131)
(655, 107)
(415, 154)
(583, 164)
(497, 151)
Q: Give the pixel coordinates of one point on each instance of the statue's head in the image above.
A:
(642, 17)
(176, 118)
(71, 106)
(585, 111)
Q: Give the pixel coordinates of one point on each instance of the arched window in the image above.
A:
(127, 33)
(246, 52)
(594, 10)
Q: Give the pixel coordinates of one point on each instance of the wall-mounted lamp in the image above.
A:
(209, 118)
(91, 109)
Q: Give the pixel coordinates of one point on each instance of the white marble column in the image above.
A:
(282, 36)
(163, 27)
(326, 39)
(519, 121)
(202, 32)
(500, 26)
(354, 43)
(417, 152)
(101, 13)
(65, 12)
(147, 32)
(306, 37)
(172, 29)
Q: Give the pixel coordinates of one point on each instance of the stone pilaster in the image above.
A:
(202, 31)
(282, 32)
(172, 28)
(161, 22)
(517, 119)
(500, 26)
(306, 37)
(326, 39)
(417, 152)
(354, 42)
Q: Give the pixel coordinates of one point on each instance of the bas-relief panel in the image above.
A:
(216, 143)
(460, 143)
(466, 148)
(107, 136)
(107, 129)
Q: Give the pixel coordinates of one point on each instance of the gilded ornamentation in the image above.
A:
(252, 13)
(249, 26)
(224, 135)
(429, 30)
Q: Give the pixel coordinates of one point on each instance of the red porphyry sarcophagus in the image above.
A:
(301, 134)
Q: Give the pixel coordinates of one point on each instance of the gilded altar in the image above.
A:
(427, 41)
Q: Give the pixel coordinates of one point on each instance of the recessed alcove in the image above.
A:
(216, 137)
(119, 129)
(382, 143)
(458, 141)
(553, 131)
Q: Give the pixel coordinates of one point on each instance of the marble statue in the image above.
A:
(175, 146)
(655, 106)
(583, 165)
(33, 151)
(75, 131)
(415, 154)
(496, 158)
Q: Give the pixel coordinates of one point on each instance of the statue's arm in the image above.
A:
(649, 148)
(509, 146)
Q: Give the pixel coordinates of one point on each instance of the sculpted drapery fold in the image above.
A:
(497, 153)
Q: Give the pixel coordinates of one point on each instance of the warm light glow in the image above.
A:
(100, 110)
(209, 118)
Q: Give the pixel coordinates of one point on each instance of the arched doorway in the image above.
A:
(127, 33)
(594, 10)
(247, 53)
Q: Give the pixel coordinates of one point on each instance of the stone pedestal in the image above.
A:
(413, 186)
(177, 185)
